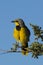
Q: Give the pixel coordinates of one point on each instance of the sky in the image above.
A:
(31, 11)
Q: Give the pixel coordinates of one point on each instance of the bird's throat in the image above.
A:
(18, 28)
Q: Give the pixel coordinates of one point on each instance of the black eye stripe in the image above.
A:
(16, 21)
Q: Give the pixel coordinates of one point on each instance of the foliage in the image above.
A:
(37, 49)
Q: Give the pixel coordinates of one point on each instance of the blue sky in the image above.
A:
(31, 11)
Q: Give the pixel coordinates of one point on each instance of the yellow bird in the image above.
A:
(21, 34)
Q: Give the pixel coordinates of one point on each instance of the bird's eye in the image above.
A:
(16, 21)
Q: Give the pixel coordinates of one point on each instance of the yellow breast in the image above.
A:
(23, 35)
(16, 34)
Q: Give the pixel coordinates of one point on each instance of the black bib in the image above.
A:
(18, 28)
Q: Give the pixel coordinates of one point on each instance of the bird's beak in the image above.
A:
(13, 21)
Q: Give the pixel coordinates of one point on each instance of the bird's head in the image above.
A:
(19, 22)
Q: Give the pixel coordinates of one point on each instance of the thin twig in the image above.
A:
(11, 51)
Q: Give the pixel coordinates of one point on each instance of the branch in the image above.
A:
(11, 51)
(35, 48)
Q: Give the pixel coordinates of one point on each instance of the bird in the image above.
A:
(21, 34)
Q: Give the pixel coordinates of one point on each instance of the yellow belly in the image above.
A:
(16, 34)
(23, 35)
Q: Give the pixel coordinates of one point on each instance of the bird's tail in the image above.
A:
(25, 49)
